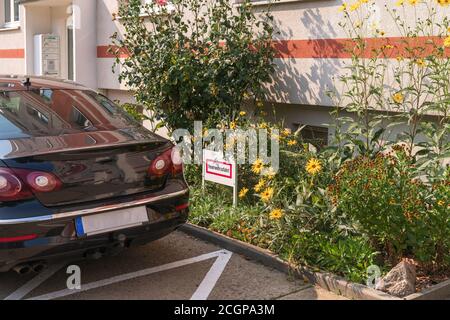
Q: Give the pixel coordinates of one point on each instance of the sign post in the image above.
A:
(220, 170)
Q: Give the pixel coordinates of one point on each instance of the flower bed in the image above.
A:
(334, 215)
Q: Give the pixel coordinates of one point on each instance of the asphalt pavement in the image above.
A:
(177, 267)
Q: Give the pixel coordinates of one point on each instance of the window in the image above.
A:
(317, 136)
(11, 8)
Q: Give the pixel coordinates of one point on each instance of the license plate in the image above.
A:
(111, 221)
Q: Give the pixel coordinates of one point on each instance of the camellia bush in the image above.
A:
(194, 59)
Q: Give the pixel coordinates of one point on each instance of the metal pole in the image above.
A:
(203, 173)
(235, 187)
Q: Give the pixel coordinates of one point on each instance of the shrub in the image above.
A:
(387, 202)
(194, 60)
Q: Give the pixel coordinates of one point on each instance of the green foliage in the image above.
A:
(195, 60)
(134, 111)
(348, 256)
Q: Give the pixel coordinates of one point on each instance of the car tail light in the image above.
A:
(19, 184)
(182, 207)
(177, 161)
(43, 181)
(169, 162)
(18, 239)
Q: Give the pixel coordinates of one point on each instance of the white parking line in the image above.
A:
(35, 282)
(208, 284)
(222, 256)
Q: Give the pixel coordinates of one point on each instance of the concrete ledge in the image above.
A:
(439, 291)
(327, 281)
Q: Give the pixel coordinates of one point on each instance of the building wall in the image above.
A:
(309, 43)
(85, 40)
(36, 20)
(12, 47)
(309, 48)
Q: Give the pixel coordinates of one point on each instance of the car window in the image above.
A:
(53, 112)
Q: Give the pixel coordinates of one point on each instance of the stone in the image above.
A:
(400, 281)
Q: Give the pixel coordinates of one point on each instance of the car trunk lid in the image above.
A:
(92, 171)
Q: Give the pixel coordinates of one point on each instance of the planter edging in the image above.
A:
(437, 292)
(328, 281)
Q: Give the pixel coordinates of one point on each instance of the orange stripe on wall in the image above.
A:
(339, 48)
(344, 48)
(104, 52)
(12, 53)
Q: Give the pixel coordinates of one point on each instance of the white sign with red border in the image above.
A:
(220, 170)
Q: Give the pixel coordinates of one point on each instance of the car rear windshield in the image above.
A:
(51, 112)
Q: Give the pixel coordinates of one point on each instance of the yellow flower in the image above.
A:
(354, 6)
(399, 3)
(443, 3)
(313, 166)
(420, 63)
(261, 183)
(398, 97)
(243, 193)
(440, 203)
(276, 214)
(448, 29)
(363, 1)
(447, 42)
(343, 7)
(292, 142)
(242, 113)
(232, 125)
(399, 58)
(413, 2)
(286, 132)
(257, 166)
(270, 173)
(381, 32)
(263, 125)
(260, 104)
(267, 195)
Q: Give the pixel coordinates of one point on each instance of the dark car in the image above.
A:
(79, 176)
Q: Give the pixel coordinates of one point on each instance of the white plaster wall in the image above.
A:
(37, 21)
(59, 16)
(85, 42)
(12, 39)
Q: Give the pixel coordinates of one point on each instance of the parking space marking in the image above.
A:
(221, 255)
(35, 282)
(210, 281)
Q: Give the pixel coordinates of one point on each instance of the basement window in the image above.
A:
(317, 136)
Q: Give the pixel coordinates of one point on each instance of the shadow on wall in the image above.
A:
(305, 69)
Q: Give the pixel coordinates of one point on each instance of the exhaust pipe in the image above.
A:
(38, 266)
(22, 269)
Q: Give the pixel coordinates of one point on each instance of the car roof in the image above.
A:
(17, 83)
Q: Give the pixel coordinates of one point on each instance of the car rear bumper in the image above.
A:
(56, 234)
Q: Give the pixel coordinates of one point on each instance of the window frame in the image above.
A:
(13, 14)
(320, 134)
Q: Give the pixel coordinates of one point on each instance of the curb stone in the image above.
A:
(439, 291)
(327, 281)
